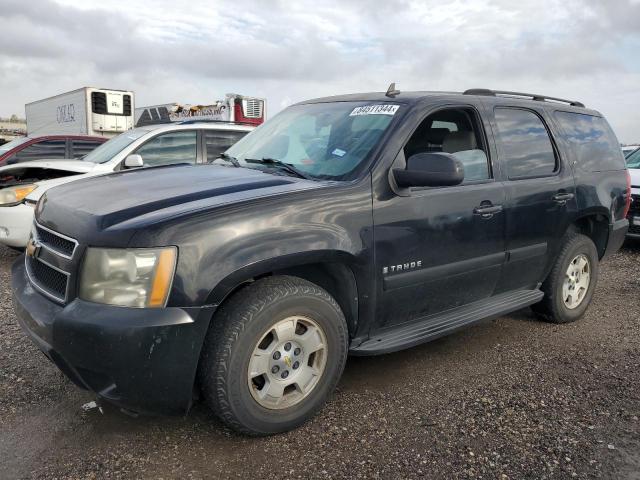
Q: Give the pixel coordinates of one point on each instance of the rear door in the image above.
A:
(540, 190)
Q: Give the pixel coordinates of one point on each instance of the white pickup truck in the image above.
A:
(22, 185)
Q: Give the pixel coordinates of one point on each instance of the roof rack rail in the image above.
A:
(208, 120)
(539, 98)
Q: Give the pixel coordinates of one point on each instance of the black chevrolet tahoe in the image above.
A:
(359, 224)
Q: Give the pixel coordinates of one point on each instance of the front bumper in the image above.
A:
(143, 360)
(17, 221)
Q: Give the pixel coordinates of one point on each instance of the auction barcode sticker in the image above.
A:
(379, 109)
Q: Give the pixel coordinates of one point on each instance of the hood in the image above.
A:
(98, 209)
(67, 165)
(634, 173)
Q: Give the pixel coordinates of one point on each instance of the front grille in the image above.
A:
(47, 278)
(634, 229)
(55, 242)
(49, 262)
(253, 108)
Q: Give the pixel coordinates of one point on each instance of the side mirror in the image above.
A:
(433, 169)
(133, 161)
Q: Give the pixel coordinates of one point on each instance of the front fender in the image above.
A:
(274, 264)
(218, 247)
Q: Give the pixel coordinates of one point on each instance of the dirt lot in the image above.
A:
(511, 398)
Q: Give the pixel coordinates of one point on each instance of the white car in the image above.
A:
(633, 164)
(150, 146)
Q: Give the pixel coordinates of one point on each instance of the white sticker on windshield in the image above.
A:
(379, 109)
(338, 152)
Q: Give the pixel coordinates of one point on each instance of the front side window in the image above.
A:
(218, 141)
(169, 148)
(596, 146)
(41, 150)
(322, 140)
(525, 144)
(456, 131)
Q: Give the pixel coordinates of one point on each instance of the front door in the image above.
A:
(439, 248)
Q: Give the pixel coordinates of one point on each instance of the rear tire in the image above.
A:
(570, 285)
(275, 325)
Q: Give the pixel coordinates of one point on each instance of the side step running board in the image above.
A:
(435, 326)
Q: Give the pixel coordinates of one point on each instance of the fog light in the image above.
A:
(4, 232)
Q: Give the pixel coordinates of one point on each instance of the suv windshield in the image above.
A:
(322, 140)
(633, 159)
(111, 148)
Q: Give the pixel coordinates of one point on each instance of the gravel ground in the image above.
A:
(510, 398)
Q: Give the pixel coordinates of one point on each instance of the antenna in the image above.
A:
(391, 91)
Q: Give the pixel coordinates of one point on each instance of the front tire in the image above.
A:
(569, 288)
(273, 354)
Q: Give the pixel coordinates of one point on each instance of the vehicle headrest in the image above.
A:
(459, 142)
(436, 135)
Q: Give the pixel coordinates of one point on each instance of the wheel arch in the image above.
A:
(594, 225)
(331, 270)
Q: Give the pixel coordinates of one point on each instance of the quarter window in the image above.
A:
(169, 148)
(525, 143)
(597, 148)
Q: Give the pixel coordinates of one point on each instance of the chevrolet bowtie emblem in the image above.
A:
(32, 248)
(287, 360)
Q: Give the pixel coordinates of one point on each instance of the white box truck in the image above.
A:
(234, 108)
(86, 111)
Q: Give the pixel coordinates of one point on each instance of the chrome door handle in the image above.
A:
(487, 211)
(562, 198)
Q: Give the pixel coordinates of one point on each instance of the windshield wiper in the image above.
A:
(229, 158)
(282, 165)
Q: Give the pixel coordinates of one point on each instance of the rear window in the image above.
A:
(79, 148)
(596, 146)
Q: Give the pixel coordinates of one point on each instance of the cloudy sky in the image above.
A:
(194, 51)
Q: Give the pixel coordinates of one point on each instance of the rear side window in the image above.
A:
(217, 141)
(79, 148)
(596, 146)
(41, 150)
(525, 144)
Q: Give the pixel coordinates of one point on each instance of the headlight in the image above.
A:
(13, 195)
(137, 277)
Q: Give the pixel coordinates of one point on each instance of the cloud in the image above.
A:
(195, 51)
